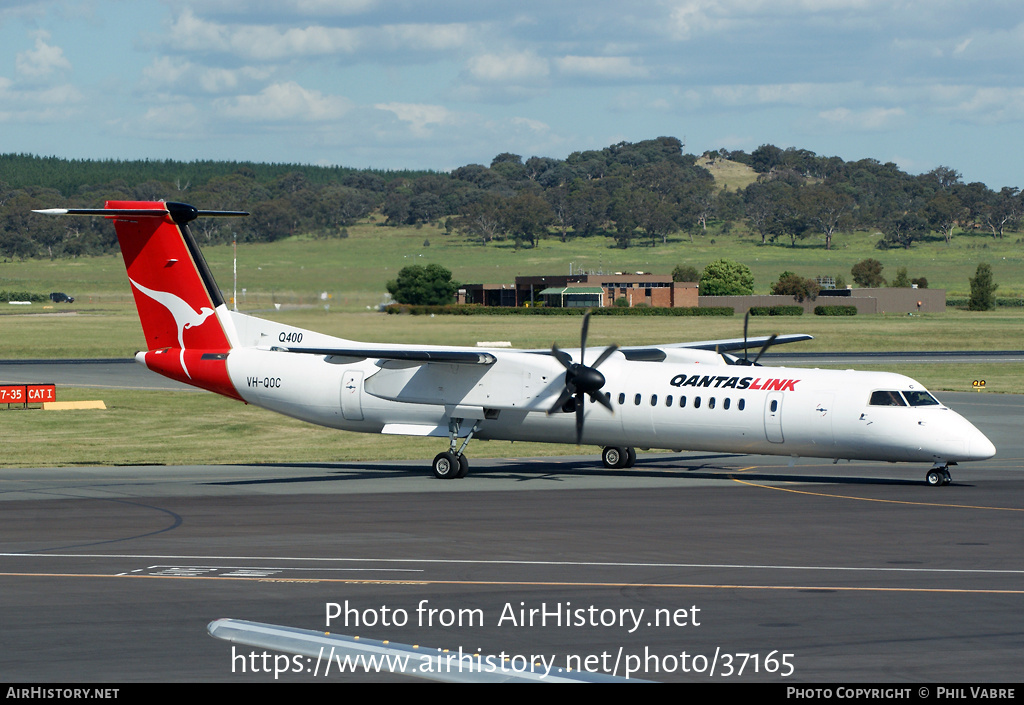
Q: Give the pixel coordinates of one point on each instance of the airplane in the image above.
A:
(696, 396)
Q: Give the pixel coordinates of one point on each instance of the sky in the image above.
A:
(404, 84)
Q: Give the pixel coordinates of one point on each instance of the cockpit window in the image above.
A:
(887, 398)
(920, 399)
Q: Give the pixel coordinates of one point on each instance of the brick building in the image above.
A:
(585, 290)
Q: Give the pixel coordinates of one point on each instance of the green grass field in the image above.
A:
(355, 270)
(183, 428)
(115, 331)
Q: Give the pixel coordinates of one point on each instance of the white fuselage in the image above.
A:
(671, 404)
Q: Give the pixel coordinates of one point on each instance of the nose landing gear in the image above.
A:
(938, 476)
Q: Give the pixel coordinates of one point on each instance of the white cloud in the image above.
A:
(261, 42)
(432, 37)
(185, 77)
(43, 60)
(274, 41)
(768, 94)
(987, 105)
(531, 125)
(282, 102)
(605, 67)
(419, 116)
(515, 68)
(326, 8)
(689, 18)
(866, 120)
(46, 105)
(183, 121)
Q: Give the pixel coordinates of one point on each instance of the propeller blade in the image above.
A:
(767, 344)
(564, 397)
(602, 400)
(746, 320)
(583, 337)
(604, 356)
(562, 356)
(581, 380)
(579, 418)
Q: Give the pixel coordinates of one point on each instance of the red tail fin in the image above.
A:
(175, 293)
(175, 301)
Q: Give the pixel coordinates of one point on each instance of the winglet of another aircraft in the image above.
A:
(336, 653)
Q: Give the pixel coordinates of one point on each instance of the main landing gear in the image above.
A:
(452, 464)
(614, 457)
(449, 465)
(938, 476)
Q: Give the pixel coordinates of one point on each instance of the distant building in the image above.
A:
(585, 291)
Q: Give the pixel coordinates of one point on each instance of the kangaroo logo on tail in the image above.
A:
(184, 315)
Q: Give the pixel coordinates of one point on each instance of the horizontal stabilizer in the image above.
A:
(179, 212)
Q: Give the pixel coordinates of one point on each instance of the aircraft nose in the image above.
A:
(979, 447)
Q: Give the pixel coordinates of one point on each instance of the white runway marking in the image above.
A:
(466, 561)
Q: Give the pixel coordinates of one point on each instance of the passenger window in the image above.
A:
(622, 398)
(654, 400)
(886, 398)
(682, 402)
(742, 404)
(636, 400)
(668, 400)
(711, 403)
(696, 402)
(725, 404)
(775, 405)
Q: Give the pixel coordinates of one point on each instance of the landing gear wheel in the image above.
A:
(446, 466)
(614, 458)
(935, 477)
(463, 467)
(630, 457)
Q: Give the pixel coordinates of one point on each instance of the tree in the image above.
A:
(903, 230)
(1003, 209)
(790, 284)
(482, 218)
(526, 217)
(868, 273)
(827, 209)
(726, 278)
(983, 289)
(944, 212)
(685, 273)
(902, 280)
(423, 286)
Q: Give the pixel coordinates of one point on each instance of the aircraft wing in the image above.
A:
(661, 353)
(458, 357)
(348, 654)
(651, 353)
(738, 344)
